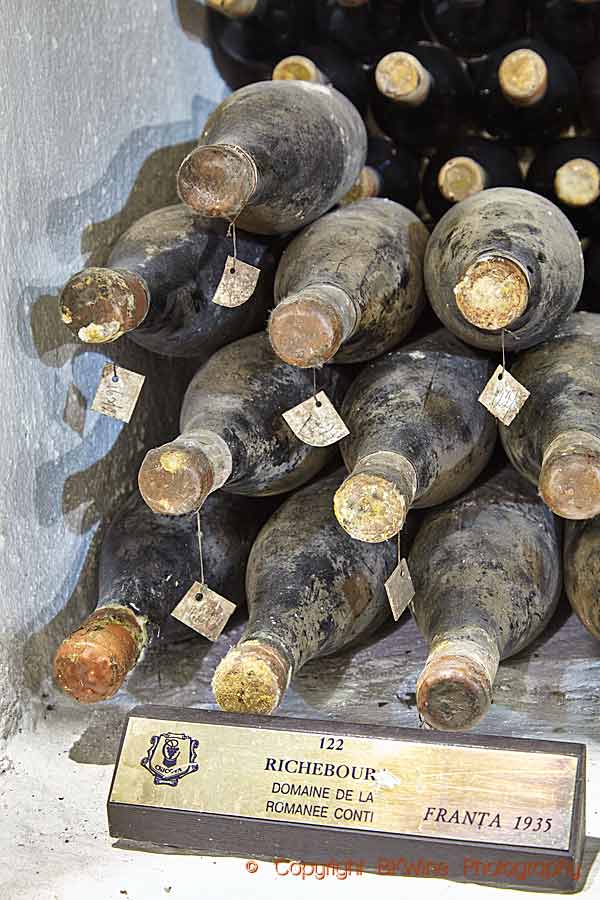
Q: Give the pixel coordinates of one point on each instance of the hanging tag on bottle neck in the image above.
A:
(201, 608)
(118, 392)
(399, 587)
(316, 421)
(238, 281)
(504, 396)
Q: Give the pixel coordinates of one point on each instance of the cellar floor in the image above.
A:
(55, 780)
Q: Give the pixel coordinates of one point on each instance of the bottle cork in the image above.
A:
(454, 690)
(234, 9)
(493, 292)
(298, 68)
(401, 77)
(569, 481)
(92, 663)
(368, 184)
(176, 479)
(252, 678)
(461, 177)
(577, 182)
(372, 503)
(217, 180)
(100, 305)
(523, 77)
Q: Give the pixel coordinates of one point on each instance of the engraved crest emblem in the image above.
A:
(171, 757)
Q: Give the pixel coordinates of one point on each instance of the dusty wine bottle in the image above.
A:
(332, 302)
(423, 95)
(504, 267)
(464, 168)
(582, 571)
(418, 435)
(159, 284)
(572, 26)
(487, 574)
(326, 64)
(256, 32)
(526, 92)
(365, 28)
(147, 562)
(472, 28)
(590, 97)
(311, 591)
(568, 173)
(555, 439)
(232, 431)
(240, 172)
(390, 172)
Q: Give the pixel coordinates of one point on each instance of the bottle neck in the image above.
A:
(368, 184)
(373, 501)
(577, 182)
(252, 678)
(523, 77)
(461, 177)
(101, 305)
(218, 180)
(178, 477)
(454, 690)
(493, 292)
(92, 663)
(298, 68)
(307, 328)
(234, 9)
(401, 77)
(569, 481)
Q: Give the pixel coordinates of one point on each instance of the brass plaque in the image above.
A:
(399, 787)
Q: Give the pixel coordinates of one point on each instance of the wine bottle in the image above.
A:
(582, 571)
(487, 574)
(326, 64)
(590, 97)
(423, 95)
(418, 435)
(147, 563)
(571, 26)
(242, 170)
(312, 591)
(555, 439)
(568, 173)
(464, 168)
(472, 28)
(159, 284)
(232, 431)
(366, 28)
(390, 172)
(526, 92)
(333, 302)
(257, 32)
(503, 259)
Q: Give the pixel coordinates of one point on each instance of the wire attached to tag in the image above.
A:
(231, 232)
(317, 401)
(199, 531)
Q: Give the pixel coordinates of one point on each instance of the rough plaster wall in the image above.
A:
(98, 103)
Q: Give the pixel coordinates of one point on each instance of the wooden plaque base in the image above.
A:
(358, 798)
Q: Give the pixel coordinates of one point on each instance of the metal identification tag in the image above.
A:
(400, 589)
(118, 392)
(316, 421)
(203, 610)
(504, 396)
(238, 283)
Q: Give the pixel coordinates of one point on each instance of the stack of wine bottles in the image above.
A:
(382, 219)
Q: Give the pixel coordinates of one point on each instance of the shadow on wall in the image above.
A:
(78, 489)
